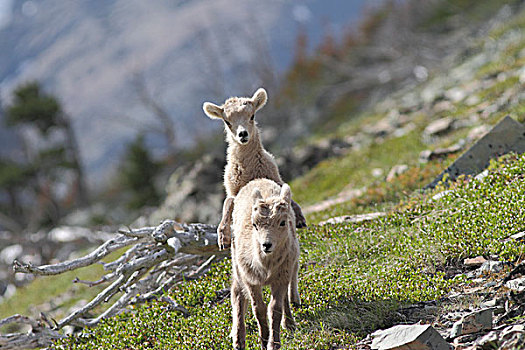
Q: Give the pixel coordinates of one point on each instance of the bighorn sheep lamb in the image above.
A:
(265, 251)
(246, 157)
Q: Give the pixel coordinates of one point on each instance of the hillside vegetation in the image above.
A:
(355, 277)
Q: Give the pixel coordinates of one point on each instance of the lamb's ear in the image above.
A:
(259, 99)
(257, 196)
(212, 110)
(286, 193)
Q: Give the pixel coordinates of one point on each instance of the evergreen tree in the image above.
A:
(138, 175)
(32, 106)
(41, 171)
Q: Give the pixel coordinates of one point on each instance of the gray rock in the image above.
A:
(474, 262)
(474, 322)
(439, 126)
(491, 267)
(507, 136)
(353, 218)
(517, 284)
(8, 254)
(441, 194)
(64, 234)
(439, 153)
(409, 337)
(455, 94)
(488, 341)
(382, 128)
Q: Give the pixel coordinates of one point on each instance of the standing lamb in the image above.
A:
(265, 251)
(246, 157)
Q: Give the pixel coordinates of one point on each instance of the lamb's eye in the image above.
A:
(228, 123)
(252, 117)
(255, 226)
(282, 223)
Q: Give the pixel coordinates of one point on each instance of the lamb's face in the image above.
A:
(239, 119)
(271, 220)
(238, 114)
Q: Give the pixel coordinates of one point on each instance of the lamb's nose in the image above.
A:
(267, 246)
(243, 134)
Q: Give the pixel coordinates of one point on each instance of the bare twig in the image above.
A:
(93, 257)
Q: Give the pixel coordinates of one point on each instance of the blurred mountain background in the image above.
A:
(100, 101)
(109, 61)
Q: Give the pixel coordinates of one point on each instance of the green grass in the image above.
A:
(352, 277)
(333, 175)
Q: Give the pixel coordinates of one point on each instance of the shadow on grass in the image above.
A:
(357, 317)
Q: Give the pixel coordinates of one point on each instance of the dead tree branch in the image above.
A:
(40, 335)
(157, 259)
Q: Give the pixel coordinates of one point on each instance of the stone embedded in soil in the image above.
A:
(439, 126)
(472, 323)
(353, 218)
(488, 341)
(517, 284)
(474, 262)
(507, 136)
(438, 153)
(409, 337)
(491, 267)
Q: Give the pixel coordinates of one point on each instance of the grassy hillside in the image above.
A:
(355, 276)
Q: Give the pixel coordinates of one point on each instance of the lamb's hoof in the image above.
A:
(273, 346)
(224, 246)
(295, 301)
(289, 325)
(301, 224)
(223, 239)
(300, 221)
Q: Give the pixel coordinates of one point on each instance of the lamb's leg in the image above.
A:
(300, 220)
(224, 230)
(238, 333)
(259, 310)
(293, 289)
(275, 311)
(288, 322)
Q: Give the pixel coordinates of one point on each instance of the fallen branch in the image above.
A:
(39, 336)
(157, 259)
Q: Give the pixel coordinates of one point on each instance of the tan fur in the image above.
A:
(259, 210)
(246, 157)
